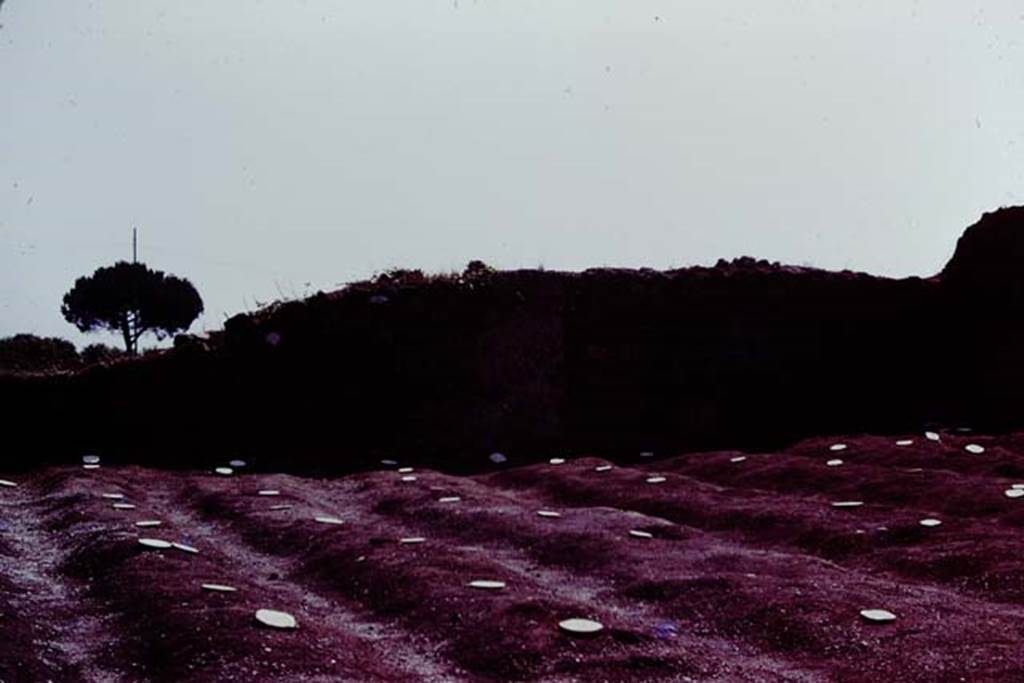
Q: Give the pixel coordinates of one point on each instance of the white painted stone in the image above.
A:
(580, 626)
(219, 588)
(328, 520)
(276, 619)
(878, 616)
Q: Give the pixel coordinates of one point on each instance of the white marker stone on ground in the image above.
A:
(275, 619)
(90, 467)
(7, 483)
(405, 470)
(154, 543)
(656, 480)
(848, 504)
(930, 522)
(268, 492)
(932, 436)
(91, 459)
(123, 506)
(905, 442)
(147, 523)
(112, 496)
(328, 520)
(226, 471)
(837, 447)
(602, 468)
(280, 507)
(218, 588)
(412, 540)
(1017, 486)
(836, 462)
(583, 627)
(637, 533)
(974, 448)
(878, 616)
(185, 548)
(486, 584)
(557, 461)
(738, 458)
(548, 513)
(1014, 493)
(449, 499)
(409, 477)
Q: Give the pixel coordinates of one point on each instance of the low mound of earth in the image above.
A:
(746, 572)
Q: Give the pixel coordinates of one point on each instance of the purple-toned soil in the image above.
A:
(750, 575)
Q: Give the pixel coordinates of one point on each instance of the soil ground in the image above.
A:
(750, 574)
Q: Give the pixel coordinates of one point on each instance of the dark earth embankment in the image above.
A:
(446, 370)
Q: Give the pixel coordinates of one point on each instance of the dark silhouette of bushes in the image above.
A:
(100, 353)
(29, 353)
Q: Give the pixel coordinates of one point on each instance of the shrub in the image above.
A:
(29, 353)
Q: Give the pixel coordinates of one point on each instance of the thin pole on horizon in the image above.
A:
(135, 245)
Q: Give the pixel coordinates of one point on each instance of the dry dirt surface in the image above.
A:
(747, 572)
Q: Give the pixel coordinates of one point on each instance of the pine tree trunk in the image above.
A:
(129, 340)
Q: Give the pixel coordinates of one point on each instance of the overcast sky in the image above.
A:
(275, 148)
